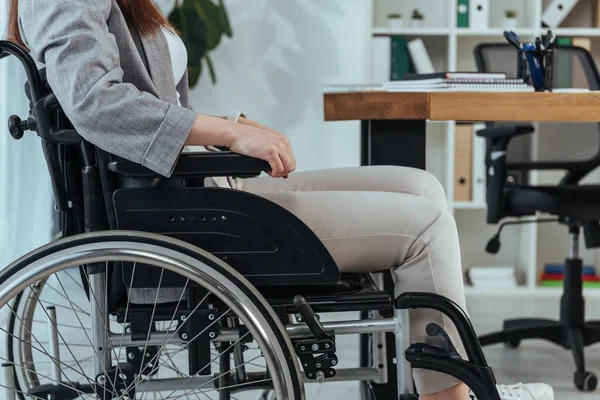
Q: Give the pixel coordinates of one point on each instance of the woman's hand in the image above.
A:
(267, 145)
(249, 139)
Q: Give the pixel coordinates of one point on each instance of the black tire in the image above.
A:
(512, 344)
(224, 275)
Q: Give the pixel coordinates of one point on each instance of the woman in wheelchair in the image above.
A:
(118, 71)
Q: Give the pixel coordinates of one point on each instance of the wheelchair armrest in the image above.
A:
(499, 132)
(198, 165)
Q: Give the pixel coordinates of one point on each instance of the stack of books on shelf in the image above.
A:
(554, 275)
(458, 82)
(493, 277)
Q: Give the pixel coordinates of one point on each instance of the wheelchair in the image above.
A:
(162, 288)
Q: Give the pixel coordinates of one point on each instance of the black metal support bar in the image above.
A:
(456, 314)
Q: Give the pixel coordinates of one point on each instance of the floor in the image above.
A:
(534, 361)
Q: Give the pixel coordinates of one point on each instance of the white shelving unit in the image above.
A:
(523, 246)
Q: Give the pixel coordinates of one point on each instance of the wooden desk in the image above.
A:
(393, 128)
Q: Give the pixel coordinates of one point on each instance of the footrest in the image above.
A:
(480, 379)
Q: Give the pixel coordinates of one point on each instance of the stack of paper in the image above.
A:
(493, 277)
(458, 85)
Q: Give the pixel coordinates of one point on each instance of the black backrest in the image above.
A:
(502, 57)
(574, 67)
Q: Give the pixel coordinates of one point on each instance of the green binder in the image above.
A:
(563, 65)
(462, 14)
(400, 58)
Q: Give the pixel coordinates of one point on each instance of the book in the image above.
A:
(453, 81)
(563, 65)
(381, 59)
(456, 75)
(401, 63)
(462, 14)
(479, 169)
(463, 162)
(560, 284)
(420, 57)
(465, 88)
(560, 269)
(560, 277)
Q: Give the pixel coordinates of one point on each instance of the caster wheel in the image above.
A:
(585, 381)
(512, 344)
(408, 397)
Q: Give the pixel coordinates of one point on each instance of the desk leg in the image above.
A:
(395, 142)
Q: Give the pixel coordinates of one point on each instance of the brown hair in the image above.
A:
(144, 15)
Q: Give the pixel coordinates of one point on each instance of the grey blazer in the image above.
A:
(115, 85)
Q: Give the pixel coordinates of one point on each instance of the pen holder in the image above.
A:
(535, 67)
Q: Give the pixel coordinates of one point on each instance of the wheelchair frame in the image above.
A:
(47, 120)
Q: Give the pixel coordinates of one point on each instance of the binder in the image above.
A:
(400, 58)
(584, 42)
(381, 59)
(462, 16)
(556, 12)
(479, 170)
(420, 57)
(479, 14)
(596, 14)
(463, 162)
(563, 65)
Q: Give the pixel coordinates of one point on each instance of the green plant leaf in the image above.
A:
(225, 20)
(211, 69)
(210, 14)
(194, 72)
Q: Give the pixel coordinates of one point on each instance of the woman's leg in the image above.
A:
(365, 179)
(373, 231)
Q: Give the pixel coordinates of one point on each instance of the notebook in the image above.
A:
(456, 75)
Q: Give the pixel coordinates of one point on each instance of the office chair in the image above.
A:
(577, 206)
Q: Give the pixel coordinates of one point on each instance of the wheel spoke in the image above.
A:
(42, 349)
(210, 362)
(167, 339)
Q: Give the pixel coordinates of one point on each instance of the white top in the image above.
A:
(179, 56)
(179, 61)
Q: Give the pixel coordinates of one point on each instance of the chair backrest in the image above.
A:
(574, 66)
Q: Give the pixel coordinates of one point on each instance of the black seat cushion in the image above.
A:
(581, 202)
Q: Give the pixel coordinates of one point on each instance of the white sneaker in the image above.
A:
(530, 391)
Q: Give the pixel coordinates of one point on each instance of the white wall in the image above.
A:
(274, 69)
(25, 194)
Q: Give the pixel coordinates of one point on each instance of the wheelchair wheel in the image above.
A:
(201, 331)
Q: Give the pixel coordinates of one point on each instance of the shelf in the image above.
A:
(493, 32)
(526, 292)
(408, 31)
(576, 31)
(467, 205)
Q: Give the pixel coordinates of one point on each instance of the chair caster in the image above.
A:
(585, 381)
(408, 397)
(512, 344)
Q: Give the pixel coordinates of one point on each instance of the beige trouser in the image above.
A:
(377, 218)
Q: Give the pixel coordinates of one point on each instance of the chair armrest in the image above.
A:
(198, 165)
(499, 132)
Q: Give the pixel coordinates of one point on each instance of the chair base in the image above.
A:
(570, 332)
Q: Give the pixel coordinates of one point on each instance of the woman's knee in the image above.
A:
(415, 181)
